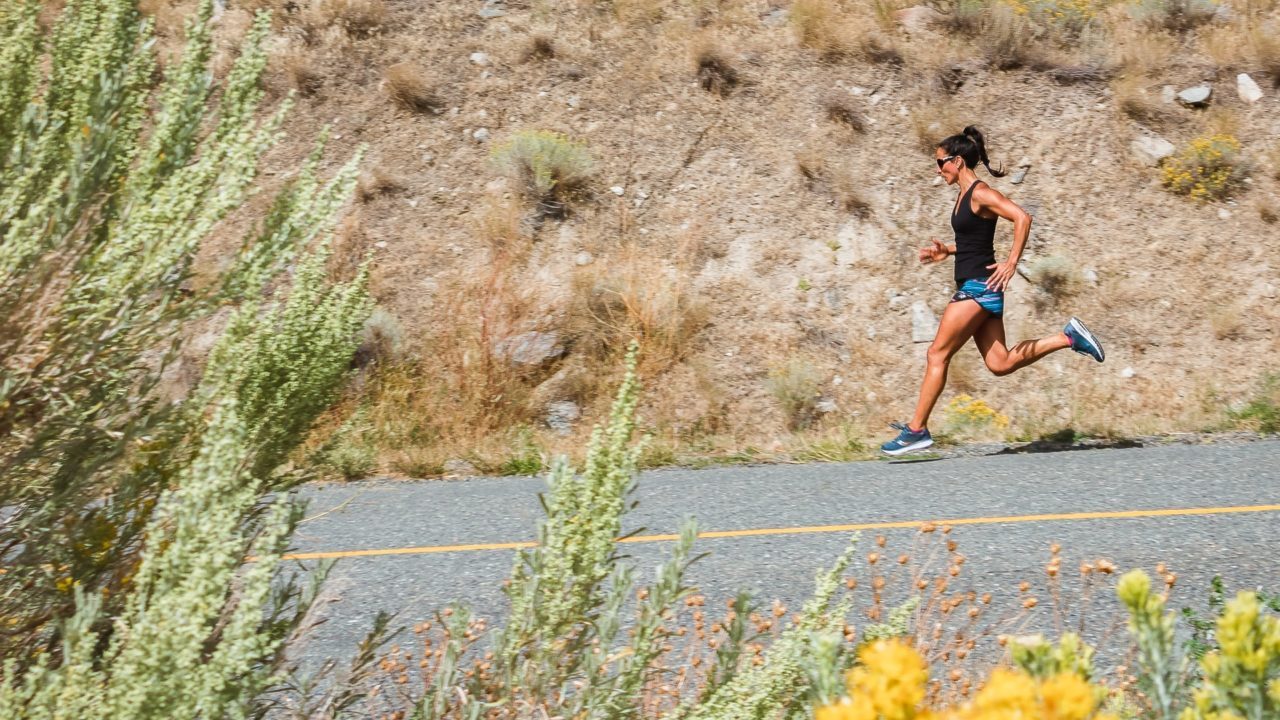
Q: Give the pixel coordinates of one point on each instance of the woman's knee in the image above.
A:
(1001, 367)
(938, 356)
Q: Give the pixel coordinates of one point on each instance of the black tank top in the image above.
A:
(975, 240)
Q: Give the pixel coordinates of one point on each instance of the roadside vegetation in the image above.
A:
(146, 503)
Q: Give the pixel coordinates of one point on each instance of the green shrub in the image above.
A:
(548, 167)
(129, 514)
(1208, 168)
(1263, 411)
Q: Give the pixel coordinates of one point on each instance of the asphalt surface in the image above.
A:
(1226, 529)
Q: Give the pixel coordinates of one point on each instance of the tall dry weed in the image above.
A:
(410, 85)
(636, 297)
(356, 18)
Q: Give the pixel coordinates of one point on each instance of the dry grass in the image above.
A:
(636, 297)
(822, 25)
(1263, 48)
(1141, 52)
(356, 18)
(820, 176)
(1173, 15)
(1226, 319)
(540, 47)
(931, 121)
(715, 73)
(301, 72)
(411, 86)
(839, 109)
(1221, 44)
(376, 182)
(1133, 98)
(1008, 40)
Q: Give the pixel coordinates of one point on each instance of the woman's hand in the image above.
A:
(937, 253)
(1002, 273)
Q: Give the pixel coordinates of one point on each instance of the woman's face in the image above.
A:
(948, 165)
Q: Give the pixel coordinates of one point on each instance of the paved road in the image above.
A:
(779, 524)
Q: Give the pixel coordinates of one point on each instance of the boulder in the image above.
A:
(561, 416)
(491, 9)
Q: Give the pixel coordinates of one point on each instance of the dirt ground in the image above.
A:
(768, 242)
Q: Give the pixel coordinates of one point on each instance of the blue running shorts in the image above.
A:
(991, 300)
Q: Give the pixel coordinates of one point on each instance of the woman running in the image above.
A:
(975, 309)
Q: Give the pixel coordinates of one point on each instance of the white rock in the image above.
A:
(381, 244)
(1128, 373)
(574, 101)
(617, 190)
(481, 134)
(583, 258)
(924, 324)
(1247, 88)
(1168, 94)
(1151, 149)
(561, 415)
(825, 405)
(479, 58)
(1196, 96)
(1090, 276)
(1224, 214)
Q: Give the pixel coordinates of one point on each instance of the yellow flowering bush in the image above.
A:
(1069, 15)
(1242, 677)
(1208, 168)
(968, 415)
(889, 684)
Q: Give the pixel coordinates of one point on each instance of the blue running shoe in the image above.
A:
(1083, 341)
(907, 440)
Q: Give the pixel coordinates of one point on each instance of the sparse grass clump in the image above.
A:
(1056, 275)
(715, 73)
(1262, 413)
(1134, 100)
(840, 110)
(1208, 168)
(1175, 15)
(357, 18)
(794, 384)
(410, 86)
(1263, 48)
(548, 167)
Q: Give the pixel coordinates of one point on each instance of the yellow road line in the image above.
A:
(756, 532)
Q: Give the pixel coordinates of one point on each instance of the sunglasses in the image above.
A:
(944, 160)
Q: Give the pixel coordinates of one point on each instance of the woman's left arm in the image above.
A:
(995, 201)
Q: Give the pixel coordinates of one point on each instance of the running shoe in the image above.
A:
(907, 440)
(1083, 341)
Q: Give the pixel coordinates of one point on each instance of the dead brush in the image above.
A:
(377, 182)
(636, 297)
(715, 73)
(1009, 40)
(1133, 99)
(411, 87)
(1263, 48)
(540, 47)
(356, 18)
(301, 70)
(839, 109)
(837, 183)
(822, 25)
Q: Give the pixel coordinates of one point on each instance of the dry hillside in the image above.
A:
(761, 176)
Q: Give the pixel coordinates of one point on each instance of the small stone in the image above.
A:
(1090, 276)
(531, 348)
(1196, 97)
(457, 467)
(381, 244)
(1020, 174)
(1151, 149)
(1247, 88)
(491, 9)
(1224, 214)
(1128, 373)
(574, 101)
(617, 190)
(1168, 94)
(897, 301)
(479, 58)
(561, 415)
(924, 324)
(481, 134)
(825, 405)
(583, 259)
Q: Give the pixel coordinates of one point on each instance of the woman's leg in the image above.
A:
(1002, 360)
(959, 322)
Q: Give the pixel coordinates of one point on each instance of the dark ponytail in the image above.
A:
(971, 146)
